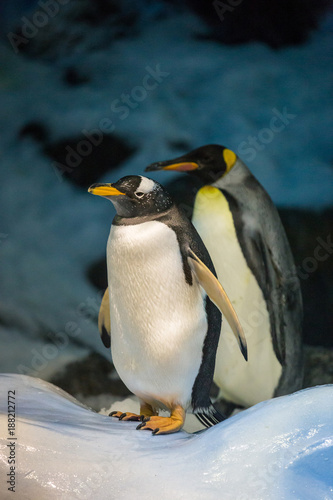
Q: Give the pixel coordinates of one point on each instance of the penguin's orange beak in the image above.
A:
(104, 190)
(183, 166)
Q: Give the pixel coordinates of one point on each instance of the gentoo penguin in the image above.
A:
(242, 231)
(159, 308)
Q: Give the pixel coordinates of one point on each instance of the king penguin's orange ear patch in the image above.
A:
(229, 158)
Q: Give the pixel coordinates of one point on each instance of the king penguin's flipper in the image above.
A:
(270, 277)
(104, 323)
(217, 294)
(281, 293)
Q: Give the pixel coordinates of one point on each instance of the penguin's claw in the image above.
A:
(126, 416)
(152, 422)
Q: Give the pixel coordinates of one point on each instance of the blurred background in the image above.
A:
(94, 90)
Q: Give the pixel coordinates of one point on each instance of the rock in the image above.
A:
(90, 376)
(75, 27)
(73, 77)
(34, 130)
(281, 448)
(276, 23)
(310, 234)
(97, 274)
(318, 366)
(84, 159)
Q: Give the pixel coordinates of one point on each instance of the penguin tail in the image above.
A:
(209, 415)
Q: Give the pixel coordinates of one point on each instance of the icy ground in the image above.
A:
(50, 230)
(280, 449)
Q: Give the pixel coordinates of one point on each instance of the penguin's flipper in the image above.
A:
(104, 323)
(280, 296)
(217, 294)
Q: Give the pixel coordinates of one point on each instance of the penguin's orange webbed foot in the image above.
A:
(164, 425)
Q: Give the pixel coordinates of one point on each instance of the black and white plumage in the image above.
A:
(242, 231)
(158, 307)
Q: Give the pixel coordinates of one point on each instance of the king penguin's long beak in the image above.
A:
(179, 164)
(104, 190)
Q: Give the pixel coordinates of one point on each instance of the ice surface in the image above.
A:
(279, 449)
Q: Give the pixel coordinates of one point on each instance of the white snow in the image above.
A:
(205, 93)
(279, 449)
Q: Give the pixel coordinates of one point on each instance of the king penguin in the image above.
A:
(159, 312)
(242, 231)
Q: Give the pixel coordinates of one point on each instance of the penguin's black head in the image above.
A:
(207, 162)
(135, 196)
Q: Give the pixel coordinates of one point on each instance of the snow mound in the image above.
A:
(282, 448)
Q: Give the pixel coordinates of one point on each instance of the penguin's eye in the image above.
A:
(139, 194)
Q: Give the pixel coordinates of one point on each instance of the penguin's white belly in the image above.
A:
(244, 383)
(158, 321)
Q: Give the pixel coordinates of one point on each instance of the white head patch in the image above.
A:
(146, 185)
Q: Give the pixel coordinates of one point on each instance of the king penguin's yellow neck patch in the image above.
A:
(211, 210)
(208, 198)
(209, 192)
